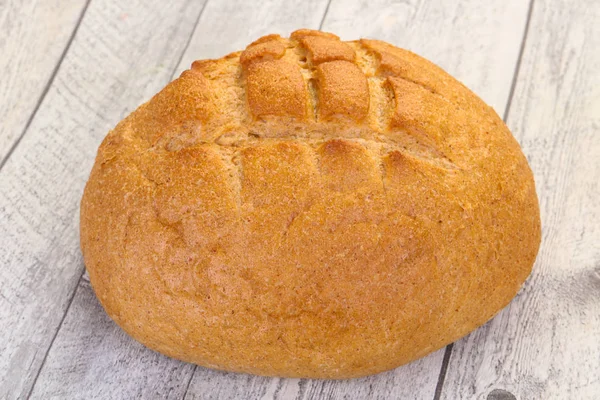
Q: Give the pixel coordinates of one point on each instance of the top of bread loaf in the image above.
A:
(309, 207)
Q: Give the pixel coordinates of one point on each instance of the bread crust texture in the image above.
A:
(309, 207)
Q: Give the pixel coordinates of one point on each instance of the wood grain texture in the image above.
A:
(123, 53)
(230, 25)
(71, 359)
(546, 345)
(477, 43)
(105, 366)
(407, 382)
(34, 37)
(45, 27)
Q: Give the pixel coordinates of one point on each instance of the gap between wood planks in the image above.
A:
(12, 149)
(49, 84)
(448, 353)
(47, 87)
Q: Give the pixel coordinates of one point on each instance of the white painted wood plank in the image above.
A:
(34, 35)
(479, 44)
(209, 384)
(105, 366)
(71, 359)
(546, 345)
(230, 25)
(123, 53)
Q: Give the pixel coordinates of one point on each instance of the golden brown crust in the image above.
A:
(273, 49)
(303, 33)
(275, 87)
(309, 207)
(343, 91)
(322, 49)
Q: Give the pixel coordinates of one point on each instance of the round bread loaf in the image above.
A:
(309, 208)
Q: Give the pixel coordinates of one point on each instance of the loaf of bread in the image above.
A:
(309, 207)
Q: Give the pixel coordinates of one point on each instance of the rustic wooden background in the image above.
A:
(71, 69)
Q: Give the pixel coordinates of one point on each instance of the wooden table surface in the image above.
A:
(71, 69)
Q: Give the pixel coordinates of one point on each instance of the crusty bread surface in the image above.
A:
(309, 208)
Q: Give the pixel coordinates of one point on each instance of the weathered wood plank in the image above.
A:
(482, 34)
(230, 25)
(417, 376)
(477, 42)
(105, 366)
(73, 356)
(35, 35)
(546, 345)
(122, 54)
